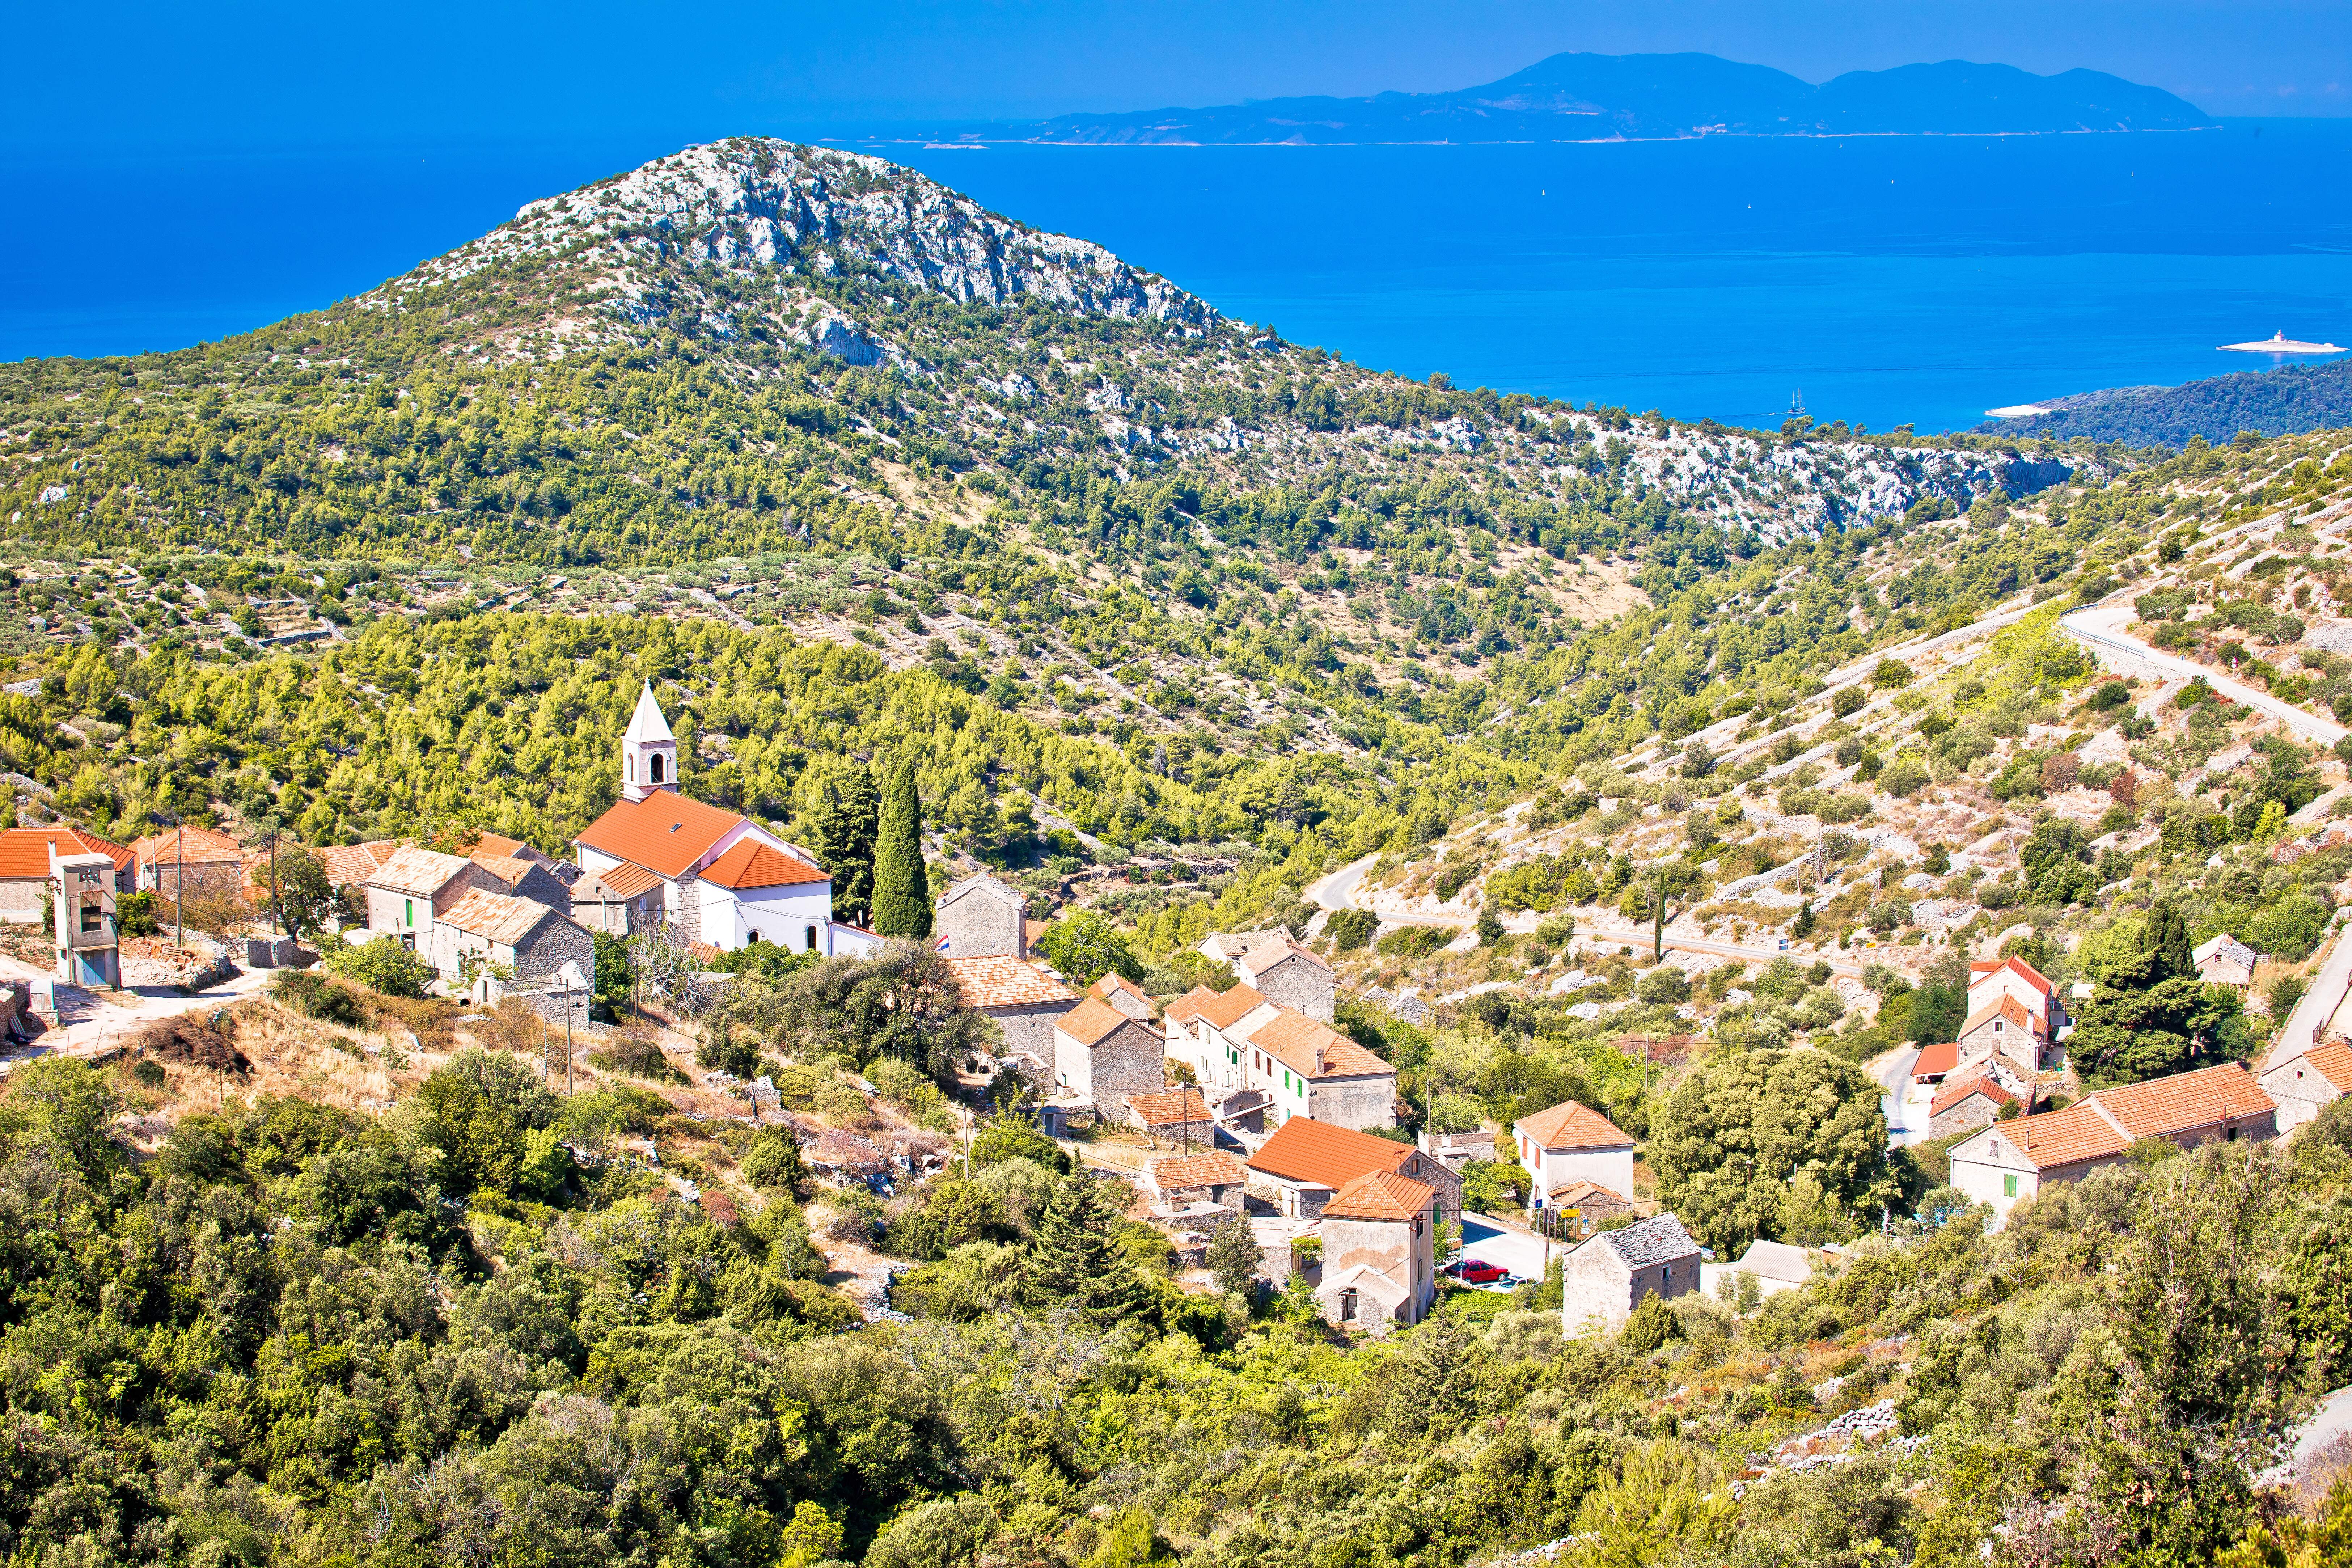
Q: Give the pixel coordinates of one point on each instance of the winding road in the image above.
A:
(2100, 628)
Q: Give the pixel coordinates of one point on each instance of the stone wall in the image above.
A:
(1029, 1028)
(1298, 985)
(1354, 1103)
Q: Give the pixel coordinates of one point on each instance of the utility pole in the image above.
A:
(1658, 926)
(180, 883)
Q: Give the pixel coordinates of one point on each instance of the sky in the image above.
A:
(138, 75)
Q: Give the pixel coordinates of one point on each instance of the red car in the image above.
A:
(1476, 1271)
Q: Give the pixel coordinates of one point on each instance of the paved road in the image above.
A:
(2328, 988)
(1516, 1250)
(93, 1021)
(1893, 1071)
(2332, 1422)
(2101, 628)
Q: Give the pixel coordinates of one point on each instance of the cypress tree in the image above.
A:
(842, 828)
(902, 892)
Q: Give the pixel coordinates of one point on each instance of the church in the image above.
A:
(726, 882)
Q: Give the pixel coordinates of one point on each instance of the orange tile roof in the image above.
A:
(349, 863)
(25, 851)
(1225, 1009)
(1091, 1022)
(2005, 1006)
(623, 881)
(2065, 1137)
(1002, 981)
(494, 917)
(1951, 1094)
(1311, 1050)
(1169, 1106)
(752, 864)
(2333, 1061)
(500, 843)
(1568, 1125)
(2183, 1102)
(1380, 1196)
(414, 869)
(666, 831)
(203, 847)
(1941, 1056)
(1305, 1150)
(1982, 967)
(1217, 1169)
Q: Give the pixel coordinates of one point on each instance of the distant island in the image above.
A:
(1597, 97)
(2289, 401)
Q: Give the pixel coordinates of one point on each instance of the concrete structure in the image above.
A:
(1243, 1048)
(1271, 963)
(528, 940)
(208, 864)
(1177, 1114)
(1379, 1266)
(1605, 1279)
(2010, 1162)
(1022, 997)
(413, 887)
(726, 881)
(83, 918)
(1972, 1102)
(1306, 1162)
(620, 902)
(2306, 1085)
(2225, 961)
(1570, 1143)
(982, 917)
(24, 869)
(1772, 1266)
(1456, 1150)
(1105, 1059)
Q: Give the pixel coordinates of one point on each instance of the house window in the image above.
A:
(1348, 1305)
(2008, 1186)
(755, 934)
(811, 934)
(408, 912)
(93, 913)
(654, 763)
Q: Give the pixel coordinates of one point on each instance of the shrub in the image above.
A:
(315, 996)
(382, 965)
(1848, 701)
(134, 914)
(1663, 986)
(1903, 776)
(1351, 929)
(1454, 877)
(638, 1058)
(1011, 1140)
(1414, 942)
(773, 1160)
(1891, 674)
(186, 1039)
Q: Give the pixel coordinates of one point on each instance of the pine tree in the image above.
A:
(902, 892)
(842, 825)
(1234, 1256)
(1076, 1261)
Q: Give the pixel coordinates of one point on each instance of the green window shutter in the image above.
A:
(2008, 1186)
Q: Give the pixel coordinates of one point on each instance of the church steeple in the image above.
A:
(648, 751)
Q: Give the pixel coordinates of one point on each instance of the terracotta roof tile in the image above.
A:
(2007, 1007)
(1170, 1107)
(1951, 1094)
(25, 851)
(1113, 981)
(1305, 1150)
(1002, 981)
(1939, 1057)
(1312, 1051)
(1091, 1022)
(1568, 1125)
(2065, 1137)
(505, 867)
(494, 917)
(203, 847)
(1227, 1009)
(412, 870)
(620, 882)
(1982, 967)
(1217, 1169)
(752, 864)
(2184, 1102)
(1380, 1196)
(1577, 1192)
(350, 863)
(666, 831)
(2332, 1061)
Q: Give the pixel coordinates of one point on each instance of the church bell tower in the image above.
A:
(648, 751)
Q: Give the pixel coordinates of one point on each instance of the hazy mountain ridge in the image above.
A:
(1583, 96)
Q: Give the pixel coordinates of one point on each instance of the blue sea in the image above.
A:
(1879, 279)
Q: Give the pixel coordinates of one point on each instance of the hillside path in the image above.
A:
(2100, 627)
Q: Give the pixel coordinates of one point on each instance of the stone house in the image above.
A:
(83, 928)
(1968, 1103)
(24, 869)
(519, 878)
(2007, 1037)
(208, 864)
(1124, 994)
(1456, 1150)
(1022, 996)
(413, 887)
(1176, 1114)
(1305, 1161)
(1570, 1143)
(2012, 1160)
(982, 917)
(1379, 1266)
(1196, 1023)
(1104, 1058)
(1308, 1069)
(1605, 1278)
(1278, 969)
(2304, 1086)
(521, 936)
(2225, 961)
(1188, 1180)
(1991, 979)
(620, 901)
(1582, 1207)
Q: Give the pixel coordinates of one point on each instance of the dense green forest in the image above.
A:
(2288, 401)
